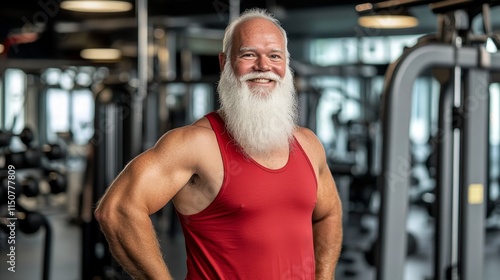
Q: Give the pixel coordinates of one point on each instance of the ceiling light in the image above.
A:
(391, 18)
(101, 54)
(388, 21)
(96, 6)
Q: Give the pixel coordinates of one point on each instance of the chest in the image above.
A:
(250, 188)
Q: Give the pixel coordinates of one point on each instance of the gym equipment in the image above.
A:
(29, 223)
(14, 158)
(5, 137)
(371, 255)
(53, 151)
(26, 183)
(57, 182)
(30, 187)
(111, 150)
(24, 159)
(26, 136)
(465, 68)
(32, 156)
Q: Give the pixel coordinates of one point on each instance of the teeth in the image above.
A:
(261, 80)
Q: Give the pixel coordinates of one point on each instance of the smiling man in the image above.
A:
(254, 194)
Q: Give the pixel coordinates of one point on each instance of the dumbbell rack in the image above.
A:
(30, 222)
(465, 74)
(31, 164)
(47, 246)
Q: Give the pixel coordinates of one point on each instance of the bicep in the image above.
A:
(328, 202)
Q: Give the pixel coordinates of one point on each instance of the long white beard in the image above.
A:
(260, 120)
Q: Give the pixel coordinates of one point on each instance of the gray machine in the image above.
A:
(464, 69)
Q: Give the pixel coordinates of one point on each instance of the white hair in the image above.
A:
(260, 120)
(249, 14)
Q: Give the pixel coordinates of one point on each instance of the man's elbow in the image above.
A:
(105, 214)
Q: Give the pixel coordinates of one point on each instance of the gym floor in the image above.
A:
(65, 258)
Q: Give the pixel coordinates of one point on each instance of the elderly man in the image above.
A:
(254, 194)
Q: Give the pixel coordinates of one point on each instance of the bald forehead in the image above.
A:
(258, 24)
(258, 28)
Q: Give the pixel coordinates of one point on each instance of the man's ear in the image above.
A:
(222, 60)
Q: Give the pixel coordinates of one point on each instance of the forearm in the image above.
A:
(327, 246)
(133, 243)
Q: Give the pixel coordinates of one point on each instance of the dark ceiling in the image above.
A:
(65, 33)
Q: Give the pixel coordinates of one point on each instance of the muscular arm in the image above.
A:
(145, 185)
(327, 226)
(327, 215)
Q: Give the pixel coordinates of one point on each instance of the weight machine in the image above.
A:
(464, 68)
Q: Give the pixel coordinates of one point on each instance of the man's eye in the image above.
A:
(275, 57)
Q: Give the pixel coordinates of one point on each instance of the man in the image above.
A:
(254, 194)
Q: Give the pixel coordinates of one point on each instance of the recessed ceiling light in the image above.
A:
(388, 21)
(101, 54)
(382, 15)
(96, 6)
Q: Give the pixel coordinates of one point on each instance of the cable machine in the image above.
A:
(463, 67)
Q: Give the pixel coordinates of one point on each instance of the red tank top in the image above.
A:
(259, 226)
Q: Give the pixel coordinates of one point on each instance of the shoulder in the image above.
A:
(309, 141)
(189, 143)
(186, 136)
(312, 146)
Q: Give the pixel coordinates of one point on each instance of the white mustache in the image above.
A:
(259, 75)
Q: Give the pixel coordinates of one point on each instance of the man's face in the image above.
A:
(259, 47)
(257, 92)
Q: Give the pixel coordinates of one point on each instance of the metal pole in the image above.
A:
(395, 174)
(142, 74)
(444, 187)
(473, 173)
(234, 9)
(47, 249)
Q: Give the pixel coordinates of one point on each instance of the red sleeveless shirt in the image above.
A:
(259, 226)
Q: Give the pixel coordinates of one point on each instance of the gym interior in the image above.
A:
(84, 91)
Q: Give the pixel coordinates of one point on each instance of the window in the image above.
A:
(15, 88)
(70, 103)
(82, 115)
(57, 113)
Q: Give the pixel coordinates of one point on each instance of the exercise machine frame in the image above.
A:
(462, 160)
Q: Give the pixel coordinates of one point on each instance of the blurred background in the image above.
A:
(85, 87)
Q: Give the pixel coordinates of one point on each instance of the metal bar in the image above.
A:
(366, 8)
(47, 249)
(166, 43)
(3, 99)
(453, 270)
(440, 7)
(443, 189)
(474, 173)
(396, 166)
(142, 73)
(234, 9)
(142, 47)
(29, 65)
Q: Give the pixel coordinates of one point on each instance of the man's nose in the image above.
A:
(262, 64)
